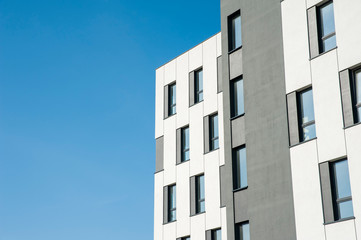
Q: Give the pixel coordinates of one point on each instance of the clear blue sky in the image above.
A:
(77, 112)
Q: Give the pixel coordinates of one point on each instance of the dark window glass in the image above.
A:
(306, 115)
(198, 88)
(200, 194)
(185, 144)
(186, 238)
(327, 27)
(357, 95)
(216, 234)
(341, 190)
(237, 97)
(234, 31)
(214, 138)
(242, 231)
(239, 168)
(172, 203)
(172, 99)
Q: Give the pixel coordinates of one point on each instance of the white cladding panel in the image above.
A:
(183, 221)
(224, 223)
(327, 106)
(353, 141)
(169, 231)
(196, 139)
(212, 190)
(306, 191)
(158, 206)
(311, 3)
(170, 72)
(198, 228)
(210, 76)
(348, 32)
(295, 45)
(341, 231)
(159, 101)
(221, 129)
(195, 57)
(169, 150)
(219, 44)
(182, 89)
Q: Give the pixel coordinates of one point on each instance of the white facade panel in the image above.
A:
(295, 45)
(348, 32)
(353, 140)
(219, 44)
(198, 227)
(342, 230)
(158, 206)
(221, 129)
(169, 231)
(159, 101)
(224, 223)
(306, 192)
(170, 72)
(169, 150)
(327, 106)
(210, 76)
(195, 57)
(182, 90)
(212, 190)
(183, 203)
(196, 139)
(311, 3)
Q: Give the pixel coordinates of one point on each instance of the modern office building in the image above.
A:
(258, 133)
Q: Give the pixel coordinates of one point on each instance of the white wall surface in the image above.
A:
(182, 87)
(169, 150)
(183, 203)
(198, 228)
(158, 206)
(196, 139)
(341, 231)
(159, 98)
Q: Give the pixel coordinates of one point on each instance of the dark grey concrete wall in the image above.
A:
(159, 153)
(268, 201)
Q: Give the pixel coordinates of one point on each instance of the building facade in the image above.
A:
(257, 129)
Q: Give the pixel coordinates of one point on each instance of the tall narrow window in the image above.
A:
(237, 98)
(341, 190)
(217, 234)
(172, 99)
(327, 35)
(172, 203)
(234, 31)
(357, 95)
(185, 144)
(200, 197)
(242, 231)
(239, 168)
(306, 115)
(213, 132)
(198, 86)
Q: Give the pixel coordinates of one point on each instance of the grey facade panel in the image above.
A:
(166, 101)
(313, 32)
(326, 192)
(219, 74)
(222, 173)
(238, 132)
(241, 206)
(191, 88)
(235, 64)
(159, 154)
(209, 235)
(179, 146)
(269, 191)
(293, 129)
(206, 134)
(346, 96)
(192, 188)
(165, 204)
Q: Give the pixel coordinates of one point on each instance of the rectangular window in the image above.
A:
(185, 238)
(172, 203)
(213, 132)
(185, 144)
(326, 25)
(306, 115)
(239, 168)
(341, 190)
(234, 31)
(171, 99)
(356, 92)
(200, 197)
(217, 234)
(198, 86)
(237, 98)
(242, 231)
